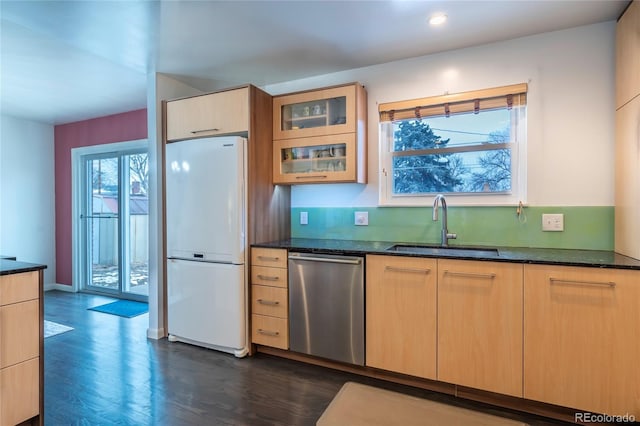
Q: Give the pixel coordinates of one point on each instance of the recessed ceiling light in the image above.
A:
(438, 19)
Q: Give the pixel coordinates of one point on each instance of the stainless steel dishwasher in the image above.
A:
(326, 306)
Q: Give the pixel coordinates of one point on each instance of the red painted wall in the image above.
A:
(122, 127)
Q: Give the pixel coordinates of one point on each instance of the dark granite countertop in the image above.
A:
(588, 258)
(8, 267)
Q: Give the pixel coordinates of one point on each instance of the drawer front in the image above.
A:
(20, 390)
(270, 331)
(276, 258)
(19, 332)
(270, 301)
(19, 287)
(274, 277)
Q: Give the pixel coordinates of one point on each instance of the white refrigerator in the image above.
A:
(206, 243)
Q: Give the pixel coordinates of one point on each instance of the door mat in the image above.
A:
(52, 328)
(123, 308)
(360, 405)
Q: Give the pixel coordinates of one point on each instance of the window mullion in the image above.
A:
(453, 150)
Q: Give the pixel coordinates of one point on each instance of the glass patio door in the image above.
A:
(115, 224)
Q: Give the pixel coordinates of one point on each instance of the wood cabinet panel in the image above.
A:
(19, 332)
(20, 390)
(581, 345)
(480, 325)
(271, 257)
(270, 301)
(270, 331)
(628, 55)
(212, 114)
(627, 180)
(18, 287)
(401, 314)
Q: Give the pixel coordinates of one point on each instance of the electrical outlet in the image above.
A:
(304, 218)
(362, 218)
(553, 222)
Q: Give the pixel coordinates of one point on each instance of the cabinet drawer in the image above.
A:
(208, 115)
(19, 332)
(274, 277)
(270, 331)
(20, 390)
(270, 301)
(276, 258)
(19, 287)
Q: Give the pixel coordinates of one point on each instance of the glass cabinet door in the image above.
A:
(324, 112)
(317, 113)
(324, 159)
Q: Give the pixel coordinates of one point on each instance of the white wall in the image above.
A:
(570, 110)
(27, 205)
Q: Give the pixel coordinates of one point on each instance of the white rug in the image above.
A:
(52, 328)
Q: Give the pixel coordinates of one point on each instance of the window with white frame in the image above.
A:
(469, 145)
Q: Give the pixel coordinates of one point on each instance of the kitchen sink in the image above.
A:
(444, 251)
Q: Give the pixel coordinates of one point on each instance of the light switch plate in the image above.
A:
(553, 222)
(304, 218)
(362, 218)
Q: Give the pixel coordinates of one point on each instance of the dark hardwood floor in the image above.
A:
(106, 372)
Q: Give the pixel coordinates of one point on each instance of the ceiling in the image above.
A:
(64, 61)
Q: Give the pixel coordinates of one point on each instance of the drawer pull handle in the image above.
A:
(410, 270)
(269, 258)
(268, 277)
(489, 276)
(312, 177)
(195, 132)
(268, 302)
(583, 283)
(269, 332)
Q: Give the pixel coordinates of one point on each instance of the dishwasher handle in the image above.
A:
(349, 261)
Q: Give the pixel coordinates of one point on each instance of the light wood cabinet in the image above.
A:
(628, 55)
(581, 341)
(627, 162)
(401, 314)
(269, 297)
(320, 136)
(21, 343)
(213, 114)
(480, 325)
(627, 180)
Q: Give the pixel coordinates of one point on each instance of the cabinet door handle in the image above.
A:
(312, 177)
(559, 281)
(489, 276)
(269, 258)
(268, 302)
(410, 270)
(195, 132)
(268, 332)
(268, 277)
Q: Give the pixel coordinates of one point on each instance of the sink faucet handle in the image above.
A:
(452, 236)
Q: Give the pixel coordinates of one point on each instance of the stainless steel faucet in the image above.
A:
(446, 236)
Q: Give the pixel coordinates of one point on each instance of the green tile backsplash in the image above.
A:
(589, 228)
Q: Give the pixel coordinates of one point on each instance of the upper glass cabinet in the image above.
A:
(320, 112)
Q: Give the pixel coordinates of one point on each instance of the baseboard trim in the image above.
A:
(61, 287)
(505, 401)
(156, 333)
